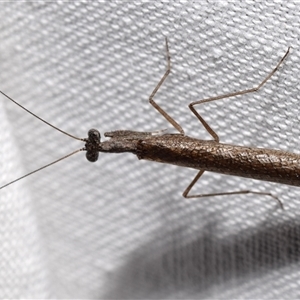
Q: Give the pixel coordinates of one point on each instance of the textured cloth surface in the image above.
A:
(119, 228)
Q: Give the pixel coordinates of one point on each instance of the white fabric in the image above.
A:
(119, 228)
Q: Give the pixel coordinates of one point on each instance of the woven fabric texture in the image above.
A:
(119, 228)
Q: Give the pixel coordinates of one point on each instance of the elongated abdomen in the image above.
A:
(257, 163)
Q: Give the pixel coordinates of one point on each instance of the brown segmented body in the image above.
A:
(257, 163)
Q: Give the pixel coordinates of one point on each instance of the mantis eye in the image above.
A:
(92, 156)
(92, 144)
(94, 135)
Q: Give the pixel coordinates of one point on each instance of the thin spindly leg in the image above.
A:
(199, 174)
(255, 89)
(154, 104)
(216, 137)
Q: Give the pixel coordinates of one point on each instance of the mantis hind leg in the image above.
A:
(200, 173)
(247, 91)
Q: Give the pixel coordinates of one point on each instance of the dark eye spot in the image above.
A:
(92, 156)
(94, 135)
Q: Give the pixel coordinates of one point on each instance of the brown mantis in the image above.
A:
(179, 149)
